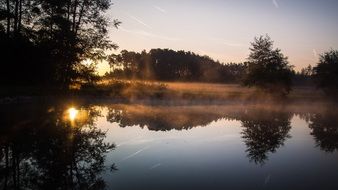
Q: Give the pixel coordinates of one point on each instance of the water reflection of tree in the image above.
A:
(162, 118)
(265, 129)
(264, 132)
(324, 128)
(43, 151)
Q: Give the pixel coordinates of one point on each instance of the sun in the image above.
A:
(72, 113)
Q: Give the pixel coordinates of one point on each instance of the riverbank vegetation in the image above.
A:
(53, 48)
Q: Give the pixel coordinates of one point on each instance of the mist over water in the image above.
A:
(168, 95)
(127, 146)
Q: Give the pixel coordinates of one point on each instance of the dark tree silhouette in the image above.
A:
(326, 73)
(170, 65)
(304, 77)
(268, 68)
(45, 42)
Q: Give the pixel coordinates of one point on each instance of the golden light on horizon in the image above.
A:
(72, 113)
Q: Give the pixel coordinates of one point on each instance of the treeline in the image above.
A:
(45, 42)
(304, 77)
(267, 68)
(170, 65)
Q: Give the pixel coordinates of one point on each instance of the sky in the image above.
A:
(224, 29)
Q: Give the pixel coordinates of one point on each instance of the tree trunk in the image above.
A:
(8, 18)
(80, 16)
(7, 167)
(14, 168)
(20, 15)
(74, 15)
(16, 13)
(68, 9)
(18, 170)
(51, 23)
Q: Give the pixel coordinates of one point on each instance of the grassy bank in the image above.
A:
(142, 90)
(187, 91)
(236, 91)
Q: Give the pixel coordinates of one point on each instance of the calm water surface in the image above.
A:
(122, 146)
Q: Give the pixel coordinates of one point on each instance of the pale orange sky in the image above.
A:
(223, 29)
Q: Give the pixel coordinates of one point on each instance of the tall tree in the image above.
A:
(48, 40)
(268, 68)
(326, 72)
(8, 17)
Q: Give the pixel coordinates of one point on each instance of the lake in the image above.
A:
(134, 146)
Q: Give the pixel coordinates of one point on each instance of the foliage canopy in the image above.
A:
(46, 41)
(268, 68)
(326, 72)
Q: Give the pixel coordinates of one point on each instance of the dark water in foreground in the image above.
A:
(168, 147)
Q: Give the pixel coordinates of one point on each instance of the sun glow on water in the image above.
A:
(72, 113)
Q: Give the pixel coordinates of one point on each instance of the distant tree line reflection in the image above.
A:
(161, 118)
(264, 131)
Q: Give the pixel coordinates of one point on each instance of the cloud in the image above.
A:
(159, 9)
(275, 3)
(139, 21)
(149, 34)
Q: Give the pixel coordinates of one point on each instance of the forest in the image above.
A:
(58, 44)
(170, 65)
